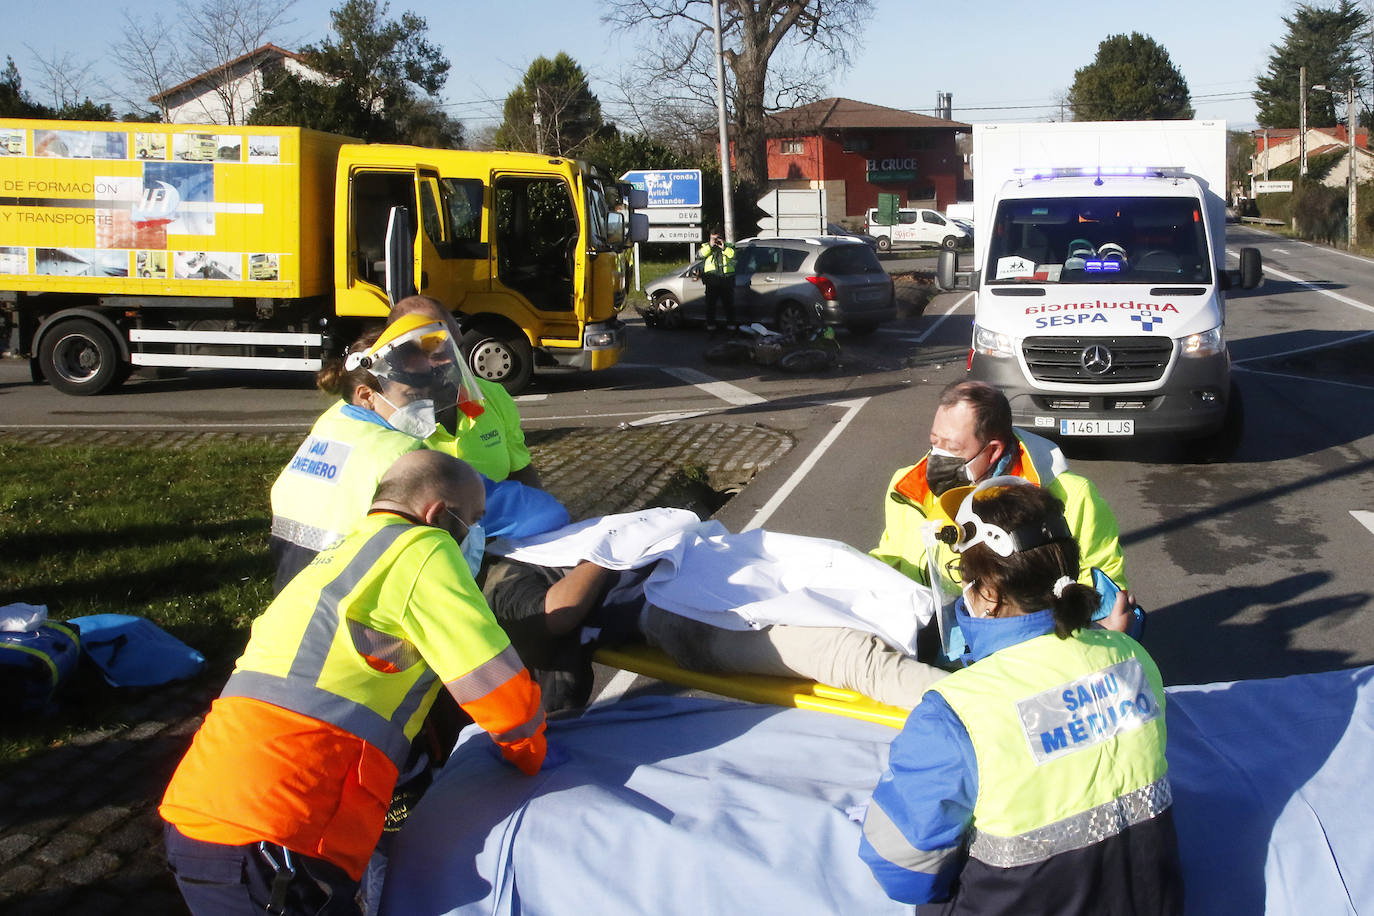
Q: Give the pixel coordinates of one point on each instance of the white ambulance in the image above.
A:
(1100, 274)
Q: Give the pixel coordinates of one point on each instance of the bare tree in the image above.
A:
(214, 39)
(65, 80)
(756, 33)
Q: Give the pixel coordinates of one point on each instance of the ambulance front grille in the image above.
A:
(1097, 360)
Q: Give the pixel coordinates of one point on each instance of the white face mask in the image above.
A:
(474, 546)
(968, 605)
(414, 419)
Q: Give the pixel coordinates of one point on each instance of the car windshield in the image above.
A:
(1099, 240)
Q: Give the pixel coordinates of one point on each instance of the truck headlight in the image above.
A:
(992, 343)
(1208, 343)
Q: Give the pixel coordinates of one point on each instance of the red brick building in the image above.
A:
(855, 151)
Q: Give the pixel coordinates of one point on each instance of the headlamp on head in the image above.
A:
(968, 528)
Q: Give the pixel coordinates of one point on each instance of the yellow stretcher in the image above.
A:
(757, 688)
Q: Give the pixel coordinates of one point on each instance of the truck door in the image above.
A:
(453, 259)
(372, 195)
(538, 238)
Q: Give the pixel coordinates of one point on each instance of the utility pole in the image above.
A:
(725, 190)
(1266, 154)
(1352, 177)
(1302, 123)
(538, 122)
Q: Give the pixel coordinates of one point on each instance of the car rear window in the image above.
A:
(849, 259)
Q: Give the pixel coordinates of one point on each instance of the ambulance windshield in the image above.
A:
(1099, 240)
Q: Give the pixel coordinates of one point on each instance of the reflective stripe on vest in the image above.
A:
(298, 690)
(310, 537)
(1069, 740)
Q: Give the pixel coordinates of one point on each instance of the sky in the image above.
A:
(1002, 61)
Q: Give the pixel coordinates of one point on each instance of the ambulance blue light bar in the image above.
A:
(1101, 267)
(1118, 171)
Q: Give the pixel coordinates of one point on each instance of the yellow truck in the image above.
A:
(119, 257)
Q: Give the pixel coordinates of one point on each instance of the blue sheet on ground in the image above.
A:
(680, 805)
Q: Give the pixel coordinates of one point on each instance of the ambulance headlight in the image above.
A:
(991, 343)
(1208, 343)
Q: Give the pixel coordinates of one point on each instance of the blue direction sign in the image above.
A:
(668, 187)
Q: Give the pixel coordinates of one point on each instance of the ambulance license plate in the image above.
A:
(1097, 427)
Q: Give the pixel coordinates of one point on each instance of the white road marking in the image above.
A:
(616, 687)
(938, 321)
(1354, 303)
(530, 398)
(1364, 518)
(767, 509)
(1306, 378)
(1321, 346)
(730, 394)
(668, 417)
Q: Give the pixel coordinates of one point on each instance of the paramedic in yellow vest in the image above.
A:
(385, 409)
(480, 423)
(1033, 781)
(718, 276)
(972, 439)
(282, 795)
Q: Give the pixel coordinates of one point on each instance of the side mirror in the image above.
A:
(639, 227)
(1251, 268)
(639, 198)
(946, 266)
(615, 229)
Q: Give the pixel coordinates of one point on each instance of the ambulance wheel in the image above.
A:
(500, 353)
(78, 356)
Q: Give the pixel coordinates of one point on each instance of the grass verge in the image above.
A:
(178, 536)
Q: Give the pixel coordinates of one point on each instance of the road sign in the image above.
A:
(669, 216)
(1273, 187)
(675, 233)
(668, 187)
(793, 211)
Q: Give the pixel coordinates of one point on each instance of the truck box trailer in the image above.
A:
(1100, 274)
(127, 245)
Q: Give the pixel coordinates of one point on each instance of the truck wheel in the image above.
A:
(500, 355)
(1219, 446)
(884, 243)
(948, 243)
(79, 357)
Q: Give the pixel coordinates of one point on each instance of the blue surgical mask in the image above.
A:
(474, 543)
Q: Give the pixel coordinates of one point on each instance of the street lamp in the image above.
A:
(1350, 179)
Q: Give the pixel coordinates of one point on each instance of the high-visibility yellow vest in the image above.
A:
(717, 260)
(327, 486)
(1069, 738)
(493, 443)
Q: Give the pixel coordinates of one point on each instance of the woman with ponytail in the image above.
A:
(1034, 780)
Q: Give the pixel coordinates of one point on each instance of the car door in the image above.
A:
(933, 228)
(756, 288)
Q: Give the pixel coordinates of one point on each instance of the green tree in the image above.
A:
(1131, 79)
(1326, 42)
(379, 79)
(553, 110)
(14, 101)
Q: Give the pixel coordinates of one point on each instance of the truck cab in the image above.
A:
(524, 246)
(915, 227)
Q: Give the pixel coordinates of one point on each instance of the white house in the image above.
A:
(1275, 147)
(226, 94)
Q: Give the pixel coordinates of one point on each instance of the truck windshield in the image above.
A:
(1099, 240)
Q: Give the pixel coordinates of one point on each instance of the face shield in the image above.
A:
(968, 528)
(419, 356)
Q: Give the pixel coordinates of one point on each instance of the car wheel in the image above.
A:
(795, 319)
(949, 242)
(668, 310)
(78, 356)
(884, 243)
(500, 353)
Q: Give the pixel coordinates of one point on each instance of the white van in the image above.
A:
(915, 227)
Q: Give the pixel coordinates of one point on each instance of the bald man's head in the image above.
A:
(421, 305)
(422, 482)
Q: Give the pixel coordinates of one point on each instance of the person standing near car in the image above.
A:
(718, 275)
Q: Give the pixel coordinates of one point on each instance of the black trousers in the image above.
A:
(719, 288)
